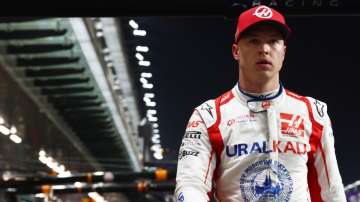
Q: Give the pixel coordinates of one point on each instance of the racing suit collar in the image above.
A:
(260, 102)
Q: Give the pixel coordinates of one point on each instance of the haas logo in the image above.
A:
(263, 12)
(292, 125)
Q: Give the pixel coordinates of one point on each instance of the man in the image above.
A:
(259, 141)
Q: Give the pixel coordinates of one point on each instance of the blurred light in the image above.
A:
(109, 64)
(145, 83)
(139, 32)
(152, 119)
(13, 130)
(158, 156)
(133, 24)
(15, 139)
(106, 50)
(156, 139)
(98, 25)
(78, 184)
(65, 174)
(140, 156)
(2, 121)
(99, 34)
(146, 75)
(58, 169)
(143, 80)
(49, 159)
(107, 58)
(61, 168)
(7, 175)
(40, 195)
(142, 49)
(158, 151)
(97, 197)
(43, 159)
(144, 63)
(42, 153)
(139, 56)
(155, 147)
(150, 114)
(52, 164)
(57, 187)
(11, 190)
(97, 185)
(109, 177)
(151, 111)
(148, 85)
(99, 173)
(149, 95)
(4, 130)
(147, 99)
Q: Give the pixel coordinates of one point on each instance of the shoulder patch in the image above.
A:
(207, 108)
(319, 108)
(207, 111)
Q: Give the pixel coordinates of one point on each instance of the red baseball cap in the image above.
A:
(261, 14)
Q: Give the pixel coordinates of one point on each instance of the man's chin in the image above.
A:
(265, 76)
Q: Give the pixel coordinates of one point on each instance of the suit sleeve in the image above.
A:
(196, 163)
(325, 162)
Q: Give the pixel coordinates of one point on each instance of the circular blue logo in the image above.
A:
(266, 180)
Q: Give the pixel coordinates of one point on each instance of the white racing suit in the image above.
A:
(278, 148)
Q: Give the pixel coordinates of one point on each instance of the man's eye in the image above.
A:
(253, 41)
(274, 41)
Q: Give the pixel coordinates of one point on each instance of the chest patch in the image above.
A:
(292, 125)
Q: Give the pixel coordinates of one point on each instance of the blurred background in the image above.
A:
(94, 108)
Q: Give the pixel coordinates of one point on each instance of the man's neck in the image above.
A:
(259, 88)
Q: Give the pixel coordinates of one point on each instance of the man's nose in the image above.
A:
(264, 48)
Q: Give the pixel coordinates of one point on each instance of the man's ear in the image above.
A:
(284, 51)
(235, 51)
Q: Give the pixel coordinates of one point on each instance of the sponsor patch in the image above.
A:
(266, 180)
(190, 142)
(319, 108)
(292, 125)
(184, 153)
(194, 124)
(191, 138)
(242, 119)
(208, 108)
(192, 134)
(242, 149)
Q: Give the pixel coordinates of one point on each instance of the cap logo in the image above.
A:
(263, 12)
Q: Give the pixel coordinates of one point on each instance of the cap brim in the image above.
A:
(285, 30)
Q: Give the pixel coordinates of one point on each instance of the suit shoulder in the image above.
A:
(318, 108)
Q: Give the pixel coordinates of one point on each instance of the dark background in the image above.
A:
(192, 62)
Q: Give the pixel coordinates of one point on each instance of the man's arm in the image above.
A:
(196, 163)
(324, 159)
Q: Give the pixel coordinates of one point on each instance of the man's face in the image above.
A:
(260, 53)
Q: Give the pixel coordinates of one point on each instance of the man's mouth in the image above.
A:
(264, 62)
